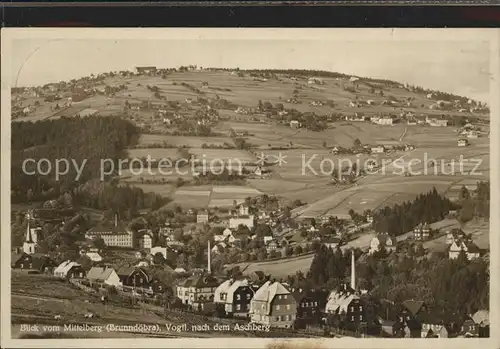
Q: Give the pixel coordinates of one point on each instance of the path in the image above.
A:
(404, 134)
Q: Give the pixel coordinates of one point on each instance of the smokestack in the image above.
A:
(209, 267)
(116, 219)
(353, 272)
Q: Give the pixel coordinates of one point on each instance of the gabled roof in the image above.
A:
(268, 291)
(413, 306)
(125, 271)
(99, 273)
(233, 287)
(65, 267)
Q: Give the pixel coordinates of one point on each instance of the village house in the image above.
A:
(69, 270)
(160, 249)
(472, 134)
(453, 235)
(407, 321)
(273, 305)
(224, 236)
(295, 124)
(272, 245)
(116, 236)
(385, 121)
(310, 304)
(332, 242)
(233, 297)
(243, 217)
(468, 247)
(38, 262)
(202, 216)
(421, 232)
(378, 149)
(462, 142)
(482, 319)
(134, 277)
(384, 241)
(198, 291)
(103, 275)
(145, 70)
(93, 256)
(469, 328)
(145, 241)
(219, 248)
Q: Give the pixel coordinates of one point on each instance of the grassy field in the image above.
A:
(183, 141)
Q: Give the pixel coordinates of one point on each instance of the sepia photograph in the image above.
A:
(267, 188)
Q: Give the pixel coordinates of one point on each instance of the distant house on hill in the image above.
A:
(87, 112)
(382, 241)
(421, 232)
(202, 216)
(145, 70)
(462, 142)
(378, 149)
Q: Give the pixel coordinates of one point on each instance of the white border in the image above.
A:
(10, 34)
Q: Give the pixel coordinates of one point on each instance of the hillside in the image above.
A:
(233, 116)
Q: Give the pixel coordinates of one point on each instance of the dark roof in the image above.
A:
(413, 306)
(119, 229)
(125, 271)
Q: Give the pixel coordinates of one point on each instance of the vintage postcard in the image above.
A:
(263, 188)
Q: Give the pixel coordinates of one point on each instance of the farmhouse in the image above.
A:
(103, 275)
(462, 143)
(382, 241)
(273, 305)
(69, 269)
(472, 134)
(468, 247)
(234, 296)
(145, 70)
(294, 124)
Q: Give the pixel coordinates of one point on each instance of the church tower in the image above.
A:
(30, 242)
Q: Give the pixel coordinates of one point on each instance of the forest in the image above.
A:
(76, 139)
(446, 285)
(399, 219)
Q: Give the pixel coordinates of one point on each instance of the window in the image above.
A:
(285, 296)
(361, 318)
(238, 307)
(360, 308)
(316, 303)
(248, 295)
(238, 297)
(31, 265)
(277, 307)
(352, 318)
(288, 307)
(279, 297)
(279, 318)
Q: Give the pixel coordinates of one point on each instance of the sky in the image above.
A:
(460, 67)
